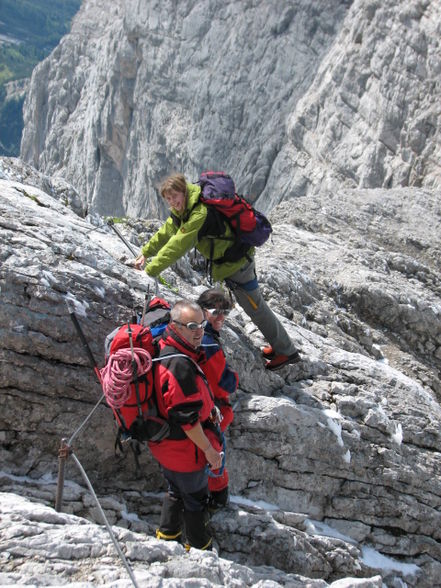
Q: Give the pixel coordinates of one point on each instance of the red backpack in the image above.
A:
(218, 191)
(128, 378)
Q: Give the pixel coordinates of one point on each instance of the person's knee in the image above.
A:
(198, 499)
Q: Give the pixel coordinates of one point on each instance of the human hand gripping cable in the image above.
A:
(139, 262)
(197, 435)
(213, 457)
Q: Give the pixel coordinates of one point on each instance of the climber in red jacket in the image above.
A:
(223, 380)
(186, 401)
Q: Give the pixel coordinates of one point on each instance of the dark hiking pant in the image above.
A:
(185, 506)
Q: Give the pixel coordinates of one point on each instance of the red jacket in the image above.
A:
(184, 399)
(222, 379)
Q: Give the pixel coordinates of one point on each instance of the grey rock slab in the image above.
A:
(343, 437)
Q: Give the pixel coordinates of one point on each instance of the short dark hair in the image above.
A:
(214, 298)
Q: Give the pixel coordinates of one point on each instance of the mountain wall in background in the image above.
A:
(145, 88)
(371, 119)
(29, 30)
(291, 99)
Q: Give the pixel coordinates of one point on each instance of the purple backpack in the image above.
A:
(218, 191)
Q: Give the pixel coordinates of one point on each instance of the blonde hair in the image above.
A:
(174, 182)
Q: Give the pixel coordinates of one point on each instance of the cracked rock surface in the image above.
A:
(331, 460)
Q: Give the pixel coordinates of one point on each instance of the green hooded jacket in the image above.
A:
(171, 242)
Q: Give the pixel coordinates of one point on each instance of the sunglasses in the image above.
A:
(192, 326)
(218, 311)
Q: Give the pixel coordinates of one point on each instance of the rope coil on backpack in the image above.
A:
(117, 374)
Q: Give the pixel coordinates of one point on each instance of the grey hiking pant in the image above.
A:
(245, 288)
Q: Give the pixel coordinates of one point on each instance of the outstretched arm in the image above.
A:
(183, 240)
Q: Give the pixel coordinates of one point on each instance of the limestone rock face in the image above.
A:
(12, 168)
(290, 100)
(337, 456)
(371, 118)
(63, 547)
(140, 89)
(327, 114)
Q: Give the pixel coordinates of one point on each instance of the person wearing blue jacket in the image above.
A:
(222, 378)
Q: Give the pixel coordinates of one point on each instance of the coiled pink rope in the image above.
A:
(117, 374)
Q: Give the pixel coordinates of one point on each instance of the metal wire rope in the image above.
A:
(106, 522)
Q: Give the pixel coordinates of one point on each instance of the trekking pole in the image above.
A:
(111, 224)
(86, 347)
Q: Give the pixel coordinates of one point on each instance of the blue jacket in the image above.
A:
(222, 379)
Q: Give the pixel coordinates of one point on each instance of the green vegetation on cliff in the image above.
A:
(29, 30)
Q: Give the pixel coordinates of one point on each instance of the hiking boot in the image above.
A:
(171, 521)
(279, 361)
(218, 499)
(197, 532)
(268, 352)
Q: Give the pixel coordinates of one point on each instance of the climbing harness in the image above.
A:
(246, 288)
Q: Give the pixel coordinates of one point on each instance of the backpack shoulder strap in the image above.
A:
(171, 354)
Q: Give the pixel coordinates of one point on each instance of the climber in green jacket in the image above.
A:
(181, 232)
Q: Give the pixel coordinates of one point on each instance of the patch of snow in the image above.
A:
(100, 291)
(397, 436)
(319, 528)
(347, 456)
(333, 414)
(375, 559)
(336, 429)
(258, 504)
(129, 516)
(74, 304)
(47, 279)
(17, 328)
